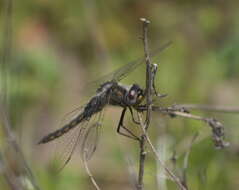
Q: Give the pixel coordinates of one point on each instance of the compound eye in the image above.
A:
(132, 94)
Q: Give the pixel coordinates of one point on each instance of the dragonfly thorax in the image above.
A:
(122, 95)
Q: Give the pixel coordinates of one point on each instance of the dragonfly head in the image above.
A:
(135, 95)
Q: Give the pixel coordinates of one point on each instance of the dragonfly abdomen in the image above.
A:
(95, 105)
(58, 133)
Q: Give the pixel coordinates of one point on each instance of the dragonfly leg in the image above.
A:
(132, 114)
(154, 69)
(121, 125)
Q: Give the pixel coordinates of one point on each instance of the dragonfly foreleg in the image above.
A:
(154, 69)
(132, 114)
(121, 125)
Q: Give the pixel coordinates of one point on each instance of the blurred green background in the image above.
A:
(60, 46)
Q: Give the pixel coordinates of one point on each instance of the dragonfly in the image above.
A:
(89, 119)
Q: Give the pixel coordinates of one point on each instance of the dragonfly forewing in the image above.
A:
(122, 72)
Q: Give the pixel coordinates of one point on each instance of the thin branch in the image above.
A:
(172, 176)
(223, 109)
(149, 83)
(185, 161)
(8, 174)
(148, 94)
(89, 172)
(11, 177)
(216, 126)
(6, 47)
(20, 159)
(141, 162)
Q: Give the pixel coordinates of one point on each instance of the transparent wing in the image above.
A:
(83, 137)
(91, 138)
(71, 115)
(125, 70)
(122, 72)
(64, 146)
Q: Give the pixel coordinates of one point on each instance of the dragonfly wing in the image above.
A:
(122, 72)
(64, 146)
(68, 117)
(90, 141)
(90, 138)
(85, 137)
(128, 68)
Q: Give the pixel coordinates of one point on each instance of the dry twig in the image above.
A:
(173, 111)
(185, 162)
(220, 109)
(16, 181)
(89, 172)
(148, 92)
(172, 176)
(148, 109)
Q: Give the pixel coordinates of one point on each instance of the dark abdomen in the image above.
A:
(52, 136)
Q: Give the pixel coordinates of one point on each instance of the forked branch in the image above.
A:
(89, 172)
(171, 175)
(172, 111)
(148, 108)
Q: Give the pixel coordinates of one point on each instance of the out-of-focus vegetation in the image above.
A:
(60, 46)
